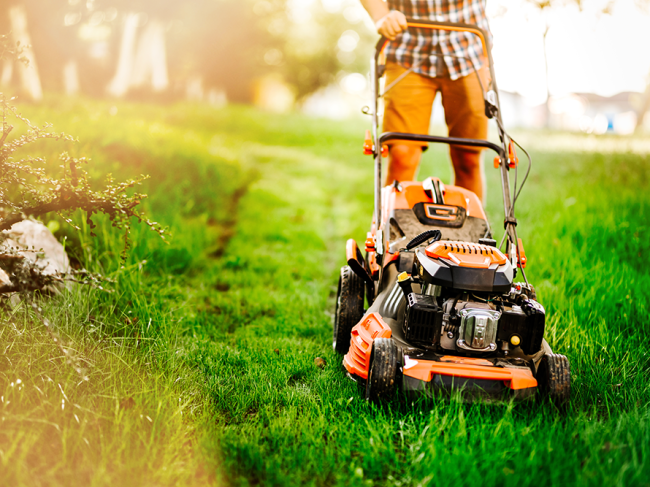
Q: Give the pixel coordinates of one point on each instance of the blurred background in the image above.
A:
(562, 64)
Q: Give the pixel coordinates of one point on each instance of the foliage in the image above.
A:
(227, 43)
(9, 51)
(29, 190)
(306, 38)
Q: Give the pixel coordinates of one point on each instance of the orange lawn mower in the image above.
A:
(445, 313)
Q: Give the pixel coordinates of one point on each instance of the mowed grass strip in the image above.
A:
(281, 420)
(235, 310)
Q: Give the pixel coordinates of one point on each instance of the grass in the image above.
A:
(201, 363)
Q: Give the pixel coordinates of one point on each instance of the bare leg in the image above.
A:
(465, 117)
(468, 170)
(403, 161)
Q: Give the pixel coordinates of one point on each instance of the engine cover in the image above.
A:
(466, 266)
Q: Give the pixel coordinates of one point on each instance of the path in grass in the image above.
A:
(229, 317)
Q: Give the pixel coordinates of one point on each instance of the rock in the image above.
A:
(47, 254)
(30, 234)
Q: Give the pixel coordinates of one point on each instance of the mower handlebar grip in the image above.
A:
(448, 26)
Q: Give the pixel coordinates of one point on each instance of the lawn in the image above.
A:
(200, 363)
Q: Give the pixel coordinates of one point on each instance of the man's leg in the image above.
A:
(403, 162)
(465, 117)
(468, 172)
(407, 109)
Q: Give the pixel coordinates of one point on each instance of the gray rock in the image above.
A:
(37, 244)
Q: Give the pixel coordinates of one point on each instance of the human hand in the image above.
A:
(391, 24)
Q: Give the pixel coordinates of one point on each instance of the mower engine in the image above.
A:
(467, 302)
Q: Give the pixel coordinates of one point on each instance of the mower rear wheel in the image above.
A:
(554, 378)
(349, 309)
(382, 376)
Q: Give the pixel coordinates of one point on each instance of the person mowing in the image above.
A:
(438, 61)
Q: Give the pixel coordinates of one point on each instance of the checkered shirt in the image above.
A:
(420, 47)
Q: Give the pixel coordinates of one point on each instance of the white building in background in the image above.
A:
(518, 112)
(574, 112)
(600, 114)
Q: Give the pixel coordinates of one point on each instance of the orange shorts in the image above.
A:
(408, 104)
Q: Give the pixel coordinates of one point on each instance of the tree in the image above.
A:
(228, 44)
(317, 44)
(643, 102)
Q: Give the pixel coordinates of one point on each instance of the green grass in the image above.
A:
(214, 337)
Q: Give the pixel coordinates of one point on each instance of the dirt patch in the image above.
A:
(227, 228)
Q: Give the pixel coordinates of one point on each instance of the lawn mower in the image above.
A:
(444, 311)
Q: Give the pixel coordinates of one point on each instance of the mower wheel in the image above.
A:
(349, 309)
(554, 377)
(382, 376)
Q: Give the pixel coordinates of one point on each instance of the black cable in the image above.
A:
(530, 165)
(516, 192)
(523, 272)
(516, 196)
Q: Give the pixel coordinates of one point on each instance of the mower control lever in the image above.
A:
(491, 108)
(434, 235)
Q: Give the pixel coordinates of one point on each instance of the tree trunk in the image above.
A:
(120, 83)
(71, 77)
(547, 112)
(159, 76)
(30, 80)
(643, 108)
(7, 72)
(150, 65)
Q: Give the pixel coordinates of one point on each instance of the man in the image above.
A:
(439, 61)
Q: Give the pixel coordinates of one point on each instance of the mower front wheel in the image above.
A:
(349, 308)
(554, 377)
(382, 376)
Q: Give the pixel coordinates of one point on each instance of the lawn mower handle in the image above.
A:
(510, 220)
(387, 136)
(448, 26)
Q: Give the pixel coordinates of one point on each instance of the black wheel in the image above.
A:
(382, 376)
(554, 378)
(349, 309)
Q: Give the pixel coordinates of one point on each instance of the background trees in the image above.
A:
(128, 48)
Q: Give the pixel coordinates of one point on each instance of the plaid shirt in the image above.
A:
(420, 47)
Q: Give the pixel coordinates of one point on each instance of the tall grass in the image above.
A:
(130, 418)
